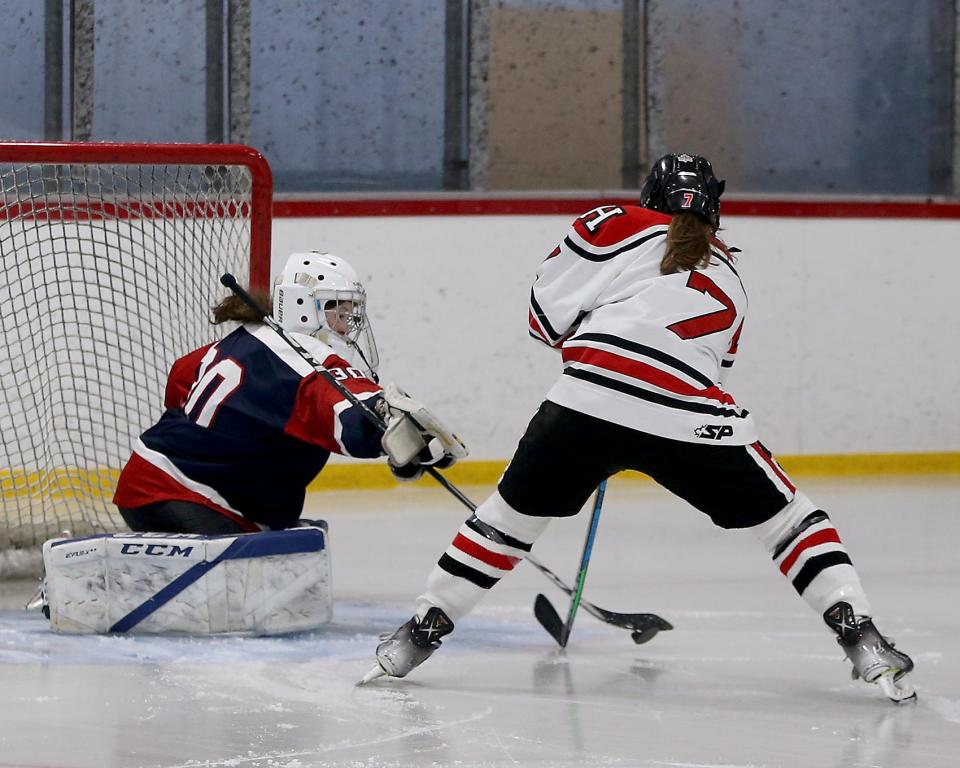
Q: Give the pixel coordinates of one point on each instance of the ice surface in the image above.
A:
(748, 679)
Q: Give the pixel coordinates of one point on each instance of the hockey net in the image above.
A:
(111, 258)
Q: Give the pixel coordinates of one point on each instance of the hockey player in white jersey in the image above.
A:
(645, 306)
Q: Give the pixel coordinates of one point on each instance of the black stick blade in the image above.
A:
(641, 636)
(639, 622)
(549, 618)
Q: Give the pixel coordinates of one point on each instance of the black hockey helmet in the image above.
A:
(683, 182)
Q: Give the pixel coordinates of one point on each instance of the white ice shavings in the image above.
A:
(948, 709)
(235, 762)
(352, 635)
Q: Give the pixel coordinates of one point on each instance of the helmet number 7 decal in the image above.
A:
(712, 322)
(214, 385)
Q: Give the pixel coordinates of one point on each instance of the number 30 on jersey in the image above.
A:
(215, 383)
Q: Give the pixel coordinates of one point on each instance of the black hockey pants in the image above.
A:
(178, 517)
(564, 455)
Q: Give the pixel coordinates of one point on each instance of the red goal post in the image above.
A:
(111, 257)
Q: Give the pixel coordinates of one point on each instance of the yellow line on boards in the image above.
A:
(836, 465)
(340, 477)
(78, 483)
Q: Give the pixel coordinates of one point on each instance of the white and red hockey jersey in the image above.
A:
(640, 348)
(248, 424)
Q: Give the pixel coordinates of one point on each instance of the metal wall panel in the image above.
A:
(820, 97)
(349, 94)
(815, 97)
(22, 50)
(149, 71)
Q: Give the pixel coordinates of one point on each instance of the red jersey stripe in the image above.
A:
(312, 419)
(826, 536)
(644, 372)
(470, 547)
(607, 227)
(144, 483)
(181, 377)
(774, 466)
(535, 327)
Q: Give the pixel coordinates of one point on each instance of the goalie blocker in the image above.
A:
(252, 584)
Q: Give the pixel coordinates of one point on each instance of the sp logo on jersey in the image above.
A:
(713, 431)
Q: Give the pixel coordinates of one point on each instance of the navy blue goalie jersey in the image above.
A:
(248, 424)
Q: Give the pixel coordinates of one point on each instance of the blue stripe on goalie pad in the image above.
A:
(246, 546)
(288, 542)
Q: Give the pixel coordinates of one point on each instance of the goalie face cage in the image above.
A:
(112, 255)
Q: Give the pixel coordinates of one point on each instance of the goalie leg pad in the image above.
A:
(250, 584)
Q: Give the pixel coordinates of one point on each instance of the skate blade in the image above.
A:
(372, 675)
(898, 691)
(35, 603)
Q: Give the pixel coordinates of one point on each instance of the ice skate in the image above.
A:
(38, 602)
(874, 658)
(407, 648)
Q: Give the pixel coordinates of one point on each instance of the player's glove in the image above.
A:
(414, 438)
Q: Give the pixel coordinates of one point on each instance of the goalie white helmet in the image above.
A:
(320, 294)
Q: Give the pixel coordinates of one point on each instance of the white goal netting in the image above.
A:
(110, 265)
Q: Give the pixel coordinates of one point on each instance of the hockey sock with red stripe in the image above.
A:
(807, 549)
(487, 547)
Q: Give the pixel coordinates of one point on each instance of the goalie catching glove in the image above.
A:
(414, 438)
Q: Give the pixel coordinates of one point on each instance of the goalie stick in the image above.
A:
(637, 622)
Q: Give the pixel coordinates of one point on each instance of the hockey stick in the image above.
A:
(372, 416)
(633, 621)
(231, 282)
(543, 609)
(643, 625)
